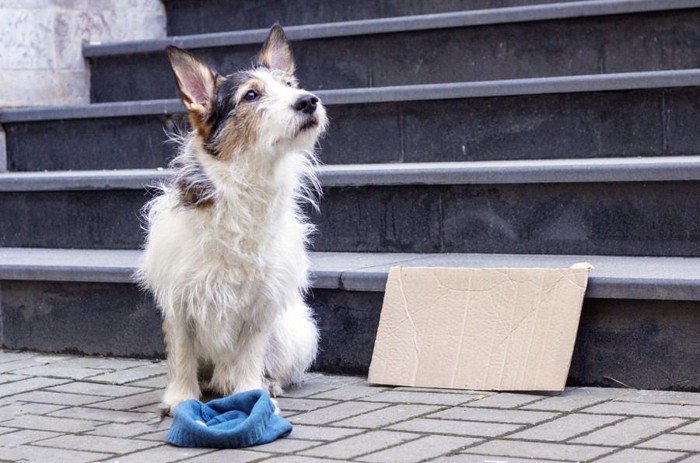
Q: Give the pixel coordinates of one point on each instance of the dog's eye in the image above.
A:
(289, 83)
(251, 95)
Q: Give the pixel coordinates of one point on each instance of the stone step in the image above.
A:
(572, 38)
(627, 114)
(187, 17)
(621, 206)
(639, 321)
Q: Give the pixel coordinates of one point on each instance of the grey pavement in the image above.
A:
(56, 408)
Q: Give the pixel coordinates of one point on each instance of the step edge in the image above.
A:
(470, 18)
(373, 278)
(545, 171)
(584, 83)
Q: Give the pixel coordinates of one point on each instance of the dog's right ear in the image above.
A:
(197, 84)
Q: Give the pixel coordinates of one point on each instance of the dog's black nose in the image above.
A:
(306, 104)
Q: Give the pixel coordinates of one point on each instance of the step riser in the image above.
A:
(648, 122)
(187, 17)
(584, 46)
(635, 219)
(647, 344)
(90, 144)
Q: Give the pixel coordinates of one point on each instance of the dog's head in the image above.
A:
(257, 112)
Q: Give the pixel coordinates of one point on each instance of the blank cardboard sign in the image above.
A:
(485, 329)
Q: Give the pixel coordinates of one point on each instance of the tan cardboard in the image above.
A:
(510, 329)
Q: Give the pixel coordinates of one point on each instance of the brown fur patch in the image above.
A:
(243, 124)
(241, 132)
(195, 189)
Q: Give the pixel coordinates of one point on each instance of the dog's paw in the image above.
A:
(171, 400)
(273, 387)
(277, 406)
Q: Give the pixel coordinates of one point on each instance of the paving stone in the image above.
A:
(107, 390)
(336, 412)
(692, 428)
(157, 382)
(461, 428)
(693, 459)
(28, 384)
(156, 436)
(321, 433)
(539, 450)
(387, 416)
(361, 444)
(289, 413)
(574, 398)
(494, 415)
(57, 398)
(645, 409)
(566, 427)
(641, 456)
(15, 356)
(229, 456)
(444, 390)
(130, 402)
(673, 442)
(49, 423)
(151, 408)
(465, 458)
(107, 363)
(30, 362)
(285, 446)
(429, 398)
(316, 384)
(24, 436)
(351, 392)
(505, 400)
(10, 378)
(4, 430)
(97, 414)
(13, 410)
(295, 459)
(162, 454)
(60, 370)
(32, 454)
(419, 450)
(629, 431)
(130, 375)
(303, 405)
(97, 444)
(662, 397)
(125, 430)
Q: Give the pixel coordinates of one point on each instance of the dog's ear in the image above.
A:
(276, 52)
(197, 84)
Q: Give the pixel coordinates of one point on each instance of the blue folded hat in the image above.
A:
(239, 420)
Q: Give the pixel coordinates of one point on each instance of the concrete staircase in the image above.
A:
(487, 133)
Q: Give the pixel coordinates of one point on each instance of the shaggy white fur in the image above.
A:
(229, 275)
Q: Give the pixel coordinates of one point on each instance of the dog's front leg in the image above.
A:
(182, 364)
(243, 369)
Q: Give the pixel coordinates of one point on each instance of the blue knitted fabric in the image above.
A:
(239, 420)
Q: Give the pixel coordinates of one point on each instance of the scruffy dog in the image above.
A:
(226, 252)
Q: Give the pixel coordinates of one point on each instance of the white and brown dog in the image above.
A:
(226, 254)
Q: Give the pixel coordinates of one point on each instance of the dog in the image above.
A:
(226, 249)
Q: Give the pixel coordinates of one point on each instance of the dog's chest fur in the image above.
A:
(228, 258)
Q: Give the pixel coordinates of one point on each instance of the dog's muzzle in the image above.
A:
(306, 104)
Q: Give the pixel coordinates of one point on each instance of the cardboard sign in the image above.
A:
(509, 329)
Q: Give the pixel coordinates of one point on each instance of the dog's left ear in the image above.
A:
(276, 52)
(197, 85)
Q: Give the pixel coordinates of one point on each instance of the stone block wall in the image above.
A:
(41, 60)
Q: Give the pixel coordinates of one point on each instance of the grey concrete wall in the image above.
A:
(40, 44)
